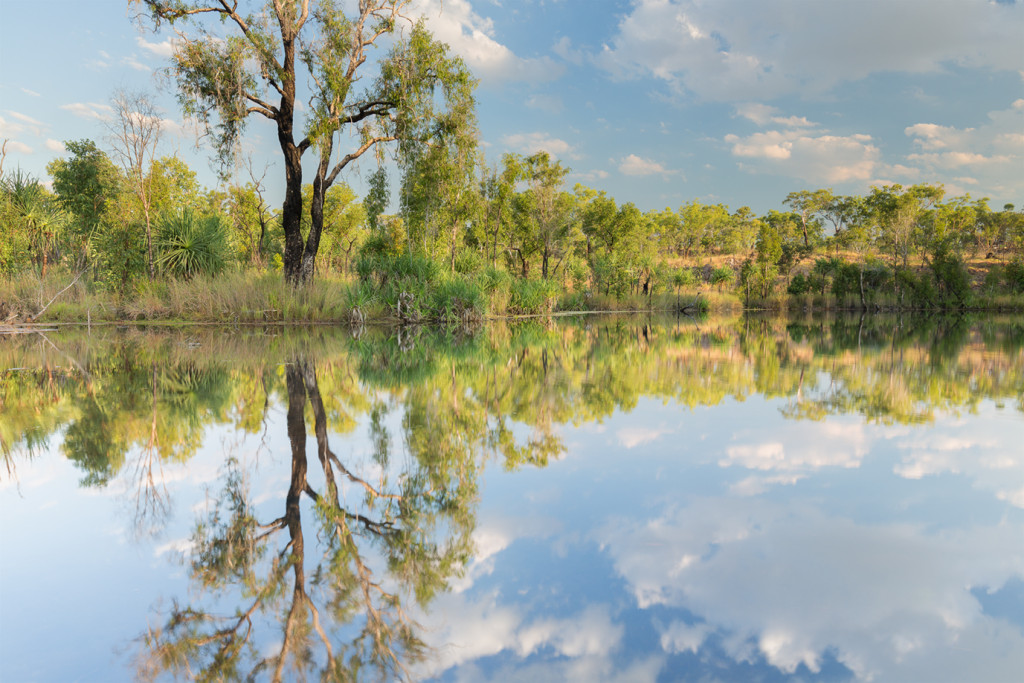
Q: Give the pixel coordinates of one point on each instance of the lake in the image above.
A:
(588, 499)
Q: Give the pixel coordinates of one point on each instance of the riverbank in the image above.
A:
(264, 298)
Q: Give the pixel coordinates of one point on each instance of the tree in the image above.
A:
(549, 222)
(807, 205)
(842, 212)
(174, 188)
(135, 134)
(84, 184)
(255, 70)
(897, 211)
(497, 191)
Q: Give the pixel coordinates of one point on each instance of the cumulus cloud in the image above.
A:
(801, 448)
(767, 581)
(531, 143)
(472, 37)
(635, 165)
(55, 146)
(164, 48)
(813, 156)
(465, 629)
(990, 152)
(733, 51)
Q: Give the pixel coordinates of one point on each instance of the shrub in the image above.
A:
(457, 300)
(532, 296)
(1014, 276)
(798, 285)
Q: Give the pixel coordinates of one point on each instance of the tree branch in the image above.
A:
(352, 156)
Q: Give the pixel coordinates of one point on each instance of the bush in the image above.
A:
(798, 285)
(1014, 276)
(952, 281)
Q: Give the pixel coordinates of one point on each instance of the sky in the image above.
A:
(657, 102)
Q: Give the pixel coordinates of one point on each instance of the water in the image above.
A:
(597, 499)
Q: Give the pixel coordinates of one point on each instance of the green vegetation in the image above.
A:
(469, 239)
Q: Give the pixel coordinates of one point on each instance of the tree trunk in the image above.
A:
(291, 210)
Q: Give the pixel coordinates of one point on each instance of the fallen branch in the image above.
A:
(35, 317)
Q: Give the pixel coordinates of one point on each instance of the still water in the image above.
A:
(595, 499)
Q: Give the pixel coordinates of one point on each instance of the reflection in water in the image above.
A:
(419, 523)
(332, 574)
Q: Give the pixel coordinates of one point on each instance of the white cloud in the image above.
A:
(19, 147)
(763, 114)
(993, 460)
(948, 160)
(815, 157)
(23, 124)
(681, 637)
(472, 37)
(30, 93)
(802, 448)
(531, 143)
(55, 146)
(89, 110)
(733, 51)
(635, 165)
(929, 136)
(768, 581)
(462, 630)
(164, 48)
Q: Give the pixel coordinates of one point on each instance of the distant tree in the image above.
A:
(897, 211)
(808, 204)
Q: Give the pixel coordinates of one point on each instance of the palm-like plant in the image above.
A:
(34, 214)
(189, 245)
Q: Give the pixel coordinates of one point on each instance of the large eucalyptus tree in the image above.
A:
(263, 57)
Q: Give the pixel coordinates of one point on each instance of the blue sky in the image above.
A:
(657, 102)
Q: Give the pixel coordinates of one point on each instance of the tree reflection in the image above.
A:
(335, 615)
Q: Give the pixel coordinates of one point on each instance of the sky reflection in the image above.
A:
(547, 503)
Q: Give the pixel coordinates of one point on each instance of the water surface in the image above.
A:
(596, 499)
